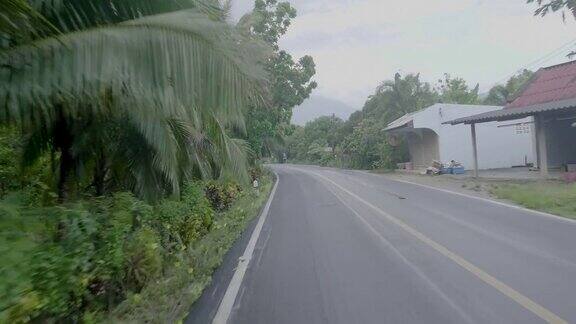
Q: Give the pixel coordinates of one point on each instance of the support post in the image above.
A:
(474, 149)
(535, 148)
(542, 146)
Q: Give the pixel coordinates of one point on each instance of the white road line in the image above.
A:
(503, 288)
(401, 256)
(227, 303)
(478, 229)
(536, 212)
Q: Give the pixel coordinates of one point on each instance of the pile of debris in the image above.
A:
(437, 167)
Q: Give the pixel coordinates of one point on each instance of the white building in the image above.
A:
(502, 144)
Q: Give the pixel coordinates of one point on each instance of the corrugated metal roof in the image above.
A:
(516, 113)
(551, 88)
(554, 83)
(404, 121)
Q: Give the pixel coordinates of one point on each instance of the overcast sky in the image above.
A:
(358, 43)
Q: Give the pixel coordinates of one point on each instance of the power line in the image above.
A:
(554, 53)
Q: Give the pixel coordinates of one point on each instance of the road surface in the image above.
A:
(351, 247)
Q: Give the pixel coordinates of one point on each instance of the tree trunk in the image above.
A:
(63, 143)
(66, 164)
(100, 174)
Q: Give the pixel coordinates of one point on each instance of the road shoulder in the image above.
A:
(475, 188)
(206, 307)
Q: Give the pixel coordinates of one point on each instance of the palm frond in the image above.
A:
(181, 57)
(229, 154)
(74, 15)
(19, 21)
(167, 75)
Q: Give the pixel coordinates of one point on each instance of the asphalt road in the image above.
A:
(351, 247)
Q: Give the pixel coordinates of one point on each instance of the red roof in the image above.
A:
(550, 84)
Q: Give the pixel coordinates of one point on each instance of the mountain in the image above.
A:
(317, 106)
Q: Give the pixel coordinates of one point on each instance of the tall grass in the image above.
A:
(551, 197)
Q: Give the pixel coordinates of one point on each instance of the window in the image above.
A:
(522, 129)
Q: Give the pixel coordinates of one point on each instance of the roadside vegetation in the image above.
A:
(556, 198)
(114, 256)
(129, 140)
(168, 299)
(118, 256)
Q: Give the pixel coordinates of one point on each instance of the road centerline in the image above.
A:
(484, 276)
(399, 254)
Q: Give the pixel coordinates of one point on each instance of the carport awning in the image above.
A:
(516, 113)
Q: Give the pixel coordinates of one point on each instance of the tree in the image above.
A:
(290, 81)
(326, 129)
(317, 141)
(144, 93)
(20, 22)
(456, 91)
(360, 142)
(500, 95)
(295, 145)
(547, 6)
(361, 149)
(397, 97)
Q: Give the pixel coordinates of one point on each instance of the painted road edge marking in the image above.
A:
(503, 288)
(401, 256)
(227, 303)
(532, 211)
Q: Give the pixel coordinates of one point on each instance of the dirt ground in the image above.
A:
(481, 187)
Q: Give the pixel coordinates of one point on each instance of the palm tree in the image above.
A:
(20, 22)
(135, 93)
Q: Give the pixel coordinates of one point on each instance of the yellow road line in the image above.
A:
(389, 245)
(508, 291)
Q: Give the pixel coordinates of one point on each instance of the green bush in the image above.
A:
(63, 265)
(74, 259)
(181, 222)
(222, 194)
(30, 180)
(195, 199)
(168, 299)
(73, 263)
(18, 302)
(143, 258)
(9, 160)
(256, 172)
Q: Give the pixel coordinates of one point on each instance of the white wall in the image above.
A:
(498, 147)
(505, 146)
